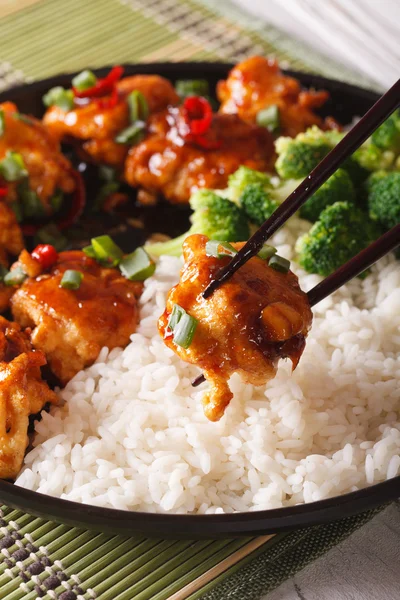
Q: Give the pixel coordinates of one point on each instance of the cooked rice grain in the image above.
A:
(131, 433)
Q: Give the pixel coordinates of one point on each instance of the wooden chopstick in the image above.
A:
(353, 267)
(380, 111)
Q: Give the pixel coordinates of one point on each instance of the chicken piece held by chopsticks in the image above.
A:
(251, 321)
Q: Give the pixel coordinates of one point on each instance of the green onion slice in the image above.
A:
(137, 266)
(104, 192)
(3, 272)
(31, 203)
(219, 249)
(84, 80)
(185, 330)
(71, 280)
(132, 134)
(2, 122)
(107, 251)
(192, 87)
(269, 117)
(279, 263)
(15, 277)
(60, 97)
(89, 251)
(267, 251)
(57, 200)
(107, 174)
(50, 234)
(17, 210)
(24, 118)
(175, 316)
(138, 106)
(12, 167)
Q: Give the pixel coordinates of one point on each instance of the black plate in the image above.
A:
(346, 101)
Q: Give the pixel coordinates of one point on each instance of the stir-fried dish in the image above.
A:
(259, 316)
(151, 141)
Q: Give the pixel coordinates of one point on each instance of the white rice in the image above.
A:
(131, 433)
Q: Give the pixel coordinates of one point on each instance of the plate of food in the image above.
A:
(124, 190)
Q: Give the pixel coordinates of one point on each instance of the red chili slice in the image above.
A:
(102, 87)
(107, 103)
(45, 254)
(3, 192)
(198, 114)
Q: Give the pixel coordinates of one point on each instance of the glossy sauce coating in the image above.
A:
(71, 326)
(257, 83)
(48, 169)
(259, 316)
(22, 393)
(167, 163)
(96, 127)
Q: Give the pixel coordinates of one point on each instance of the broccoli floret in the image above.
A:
(387, 136)
(258, 203)
(213, 216)
(384, 199)
(341, 231)
(338, 188)
(371, 158)
(243, 177)
(297, 157)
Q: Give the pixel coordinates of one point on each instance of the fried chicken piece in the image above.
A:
(71, 326)
(48, 170)
(257, 83)
(257, 317)
(96, 127)
(22, 393)
(166, 163)
(11, 243)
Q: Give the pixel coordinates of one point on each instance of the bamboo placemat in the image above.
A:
(42, 559)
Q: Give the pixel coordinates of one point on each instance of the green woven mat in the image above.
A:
(39, 38)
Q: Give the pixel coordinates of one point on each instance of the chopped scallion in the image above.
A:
(137, 266)
(17, 209)
(219, 249)
(89, 251)
(175, 316)
(107, 174)
(269, 117)
(185, 330)
(50, 234)
(3, 272)
(57, 200)
(71, 280)
(267, 251)
(12, 167)
(31, 204)
(279, 263)
(138, 106)
(84, 80)
(104, 192)
(192, 87)
(132, 134)
(2, 122)
(107, 252)
(24, 118)
(60, 97)
(15, 277)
